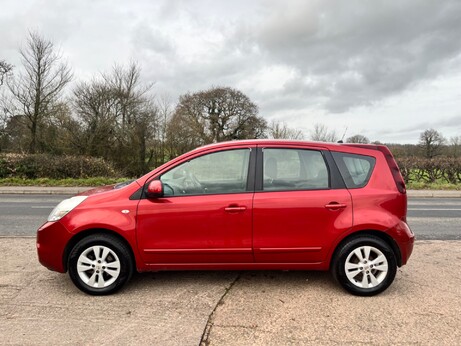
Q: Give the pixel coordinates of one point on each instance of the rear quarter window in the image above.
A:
(355, 169)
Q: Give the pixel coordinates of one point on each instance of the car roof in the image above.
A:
(264, 142)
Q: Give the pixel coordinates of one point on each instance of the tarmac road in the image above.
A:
(22, 215)
(429, 218)
(435, 218)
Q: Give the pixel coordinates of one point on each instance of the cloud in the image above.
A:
(437, 124)
(302, 61)
(357, 52)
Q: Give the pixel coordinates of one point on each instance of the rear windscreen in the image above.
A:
(355, 169)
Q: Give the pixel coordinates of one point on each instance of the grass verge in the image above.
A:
(433, 186)
(99, 181)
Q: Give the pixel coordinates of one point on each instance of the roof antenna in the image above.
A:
(344, 135)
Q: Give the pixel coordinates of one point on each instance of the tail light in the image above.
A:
(394, 168)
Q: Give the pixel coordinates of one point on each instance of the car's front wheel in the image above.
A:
(100, 264)
(365, 265)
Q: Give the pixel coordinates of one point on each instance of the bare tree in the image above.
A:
(358, 139)
(6, 113)
(321, 133)
(61, 132)
(165, 112)
(118, 118)
(40, 86)
(455, 146)
(129, 92)
(220, 114)
(280, 130)
(431, 142)
(5, 103)
(93, 103)
(5, 69)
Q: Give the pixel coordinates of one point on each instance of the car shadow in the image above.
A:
(262, 279)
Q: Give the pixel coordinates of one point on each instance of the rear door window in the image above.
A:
(355, 169)
(294, 169)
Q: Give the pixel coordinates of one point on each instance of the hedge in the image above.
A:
(32, 166)
(28, 166)
(415, 169)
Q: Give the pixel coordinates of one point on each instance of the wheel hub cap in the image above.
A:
(366, 267)
(98, 266)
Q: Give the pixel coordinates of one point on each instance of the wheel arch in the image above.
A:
(379, 234)
(83, 234)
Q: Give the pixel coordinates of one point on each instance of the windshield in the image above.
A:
(122, 184)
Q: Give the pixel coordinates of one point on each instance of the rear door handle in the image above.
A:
(235, 209)
(335, 205)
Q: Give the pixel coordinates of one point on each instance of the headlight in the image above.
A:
(64, 207)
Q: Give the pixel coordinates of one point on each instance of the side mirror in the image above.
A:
(155, 189)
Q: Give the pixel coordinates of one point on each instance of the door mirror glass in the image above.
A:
(155, 189)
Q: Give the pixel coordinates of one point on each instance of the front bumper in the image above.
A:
(52, 239)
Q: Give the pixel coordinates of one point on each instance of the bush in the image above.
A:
(439, 169)
(29, 166)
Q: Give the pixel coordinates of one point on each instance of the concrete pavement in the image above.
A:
(56, 190)
(40, 307)
(307, 308)
(434, 193)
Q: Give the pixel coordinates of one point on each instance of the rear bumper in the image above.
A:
(405, 239)
(52, 239)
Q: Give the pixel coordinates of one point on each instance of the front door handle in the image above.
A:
(235, 209)
(335, 206)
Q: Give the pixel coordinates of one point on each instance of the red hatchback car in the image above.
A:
(257, 204)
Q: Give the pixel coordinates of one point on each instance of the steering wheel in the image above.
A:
(168, 190)
(191, 181)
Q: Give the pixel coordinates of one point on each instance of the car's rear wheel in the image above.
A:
(100, 264)
(365, 265)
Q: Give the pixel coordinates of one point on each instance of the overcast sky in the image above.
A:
(385, 69)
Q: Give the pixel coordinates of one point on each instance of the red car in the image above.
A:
(256, 204)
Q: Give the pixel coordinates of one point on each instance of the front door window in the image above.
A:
(216, 173)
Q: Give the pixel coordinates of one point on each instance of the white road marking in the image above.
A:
(430, 202)
(436, 209)
(427, 220)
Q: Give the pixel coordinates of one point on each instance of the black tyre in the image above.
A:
(365, 265)
(100, 264)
